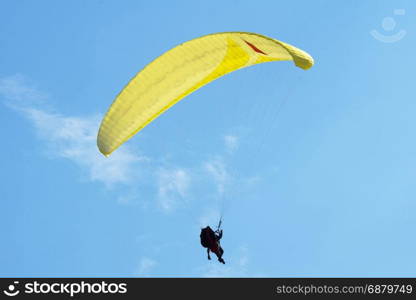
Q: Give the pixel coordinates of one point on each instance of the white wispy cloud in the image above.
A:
(231, 143)
(146, 265)
(18, 91)
(72, 138)
(217, 169)
(173, 186)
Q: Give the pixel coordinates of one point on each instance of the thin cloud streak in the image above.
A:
(173, 186)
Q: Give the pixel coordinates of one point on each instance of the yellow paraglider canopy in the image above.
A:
(182, 70)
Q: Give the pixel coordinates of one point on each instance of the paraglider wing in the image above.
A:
(182, 70)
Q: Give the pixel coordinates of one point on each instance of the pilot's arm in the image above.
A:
(220, 234)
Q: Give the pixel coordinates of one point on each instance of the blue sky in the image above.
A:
(314, 171)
